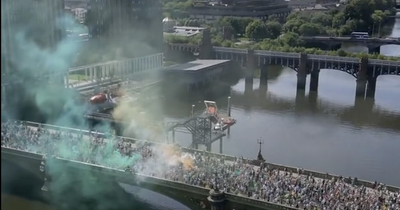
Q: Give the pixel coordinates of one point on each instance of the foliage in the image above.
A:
(357, 15)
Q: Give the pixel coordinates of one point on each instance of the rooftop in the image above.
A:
(197, 65)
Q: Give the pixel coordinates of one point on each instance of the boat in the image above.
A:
(220, 122)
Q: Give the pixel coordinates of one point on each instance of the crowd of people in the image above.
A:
(168, 162)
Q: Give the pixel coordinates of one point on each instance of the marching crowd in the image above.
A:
(168, 162)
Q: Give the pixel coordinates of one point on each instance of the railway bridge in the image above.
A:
(364, 70)
(335, 43)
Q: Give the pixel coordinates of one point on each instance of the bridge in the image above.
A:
(334, 43)
(364, 70)
(189, 195)
(114, 70)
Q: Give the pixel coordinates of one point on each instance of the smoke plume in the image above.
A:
(35, 91)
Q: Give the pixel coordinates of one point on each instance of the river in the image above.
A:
(360, 145)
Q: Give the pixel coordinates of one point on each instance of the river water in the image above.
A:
(362, 145)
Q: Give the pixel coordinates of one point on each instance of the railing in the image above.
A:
(297, 55)
(230, 50)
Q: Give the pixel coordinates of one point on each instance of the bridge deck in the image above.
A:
(288, 172)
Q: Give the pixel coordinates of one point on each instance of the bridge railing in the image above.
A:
(384, 62)
(276, 54)
(230, 50)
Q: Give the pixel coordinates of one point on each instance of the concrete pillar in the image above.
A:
(371, 86)
(216, 199)
(250, 66)
(314, 80)
(302, 72)
(90, 74)
(208, 147)
(374, 50)
(362, 78)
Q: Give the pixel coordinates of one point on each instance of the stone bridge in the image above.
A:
(364, 70)
(189, 195)
(335, 43)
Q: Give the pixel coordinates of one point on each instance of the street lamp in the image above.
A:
(215, 182)
(229, 106)
(260, 142)
(192, 113)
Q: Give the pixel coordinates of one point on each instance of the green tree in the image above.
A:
(310, 29)
(378, 16)
(273, 29)
(238, 24)
(255, 30)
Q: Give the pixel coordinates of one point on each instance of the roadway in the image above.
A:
(385, 41)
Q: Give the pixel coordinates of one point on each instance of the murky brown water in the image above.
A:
(10, 202)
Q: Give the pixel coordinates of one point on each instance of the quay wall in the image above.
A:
(316, 174)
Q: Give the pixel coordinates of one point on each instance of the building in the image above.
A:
(133, 26)
(27, 27)
(80, 14)
(185, 31)
(38, 22)
(210, 11)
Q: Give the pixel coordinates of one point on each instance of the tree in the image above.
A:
(273, 29)
(255, 30)
(378, 16)
(310, 29)
(238, 24)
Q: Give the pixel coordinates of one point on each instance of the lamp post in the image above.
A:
(215, 181)
(192, 113)
(229, 106)
(260, 142)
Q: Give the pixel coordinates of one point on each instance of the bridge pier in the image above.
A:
(314, 79)
(374, 50)
(362, 78)
(216, 199)
(371, 86)
(302, 72)
(249, 71)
